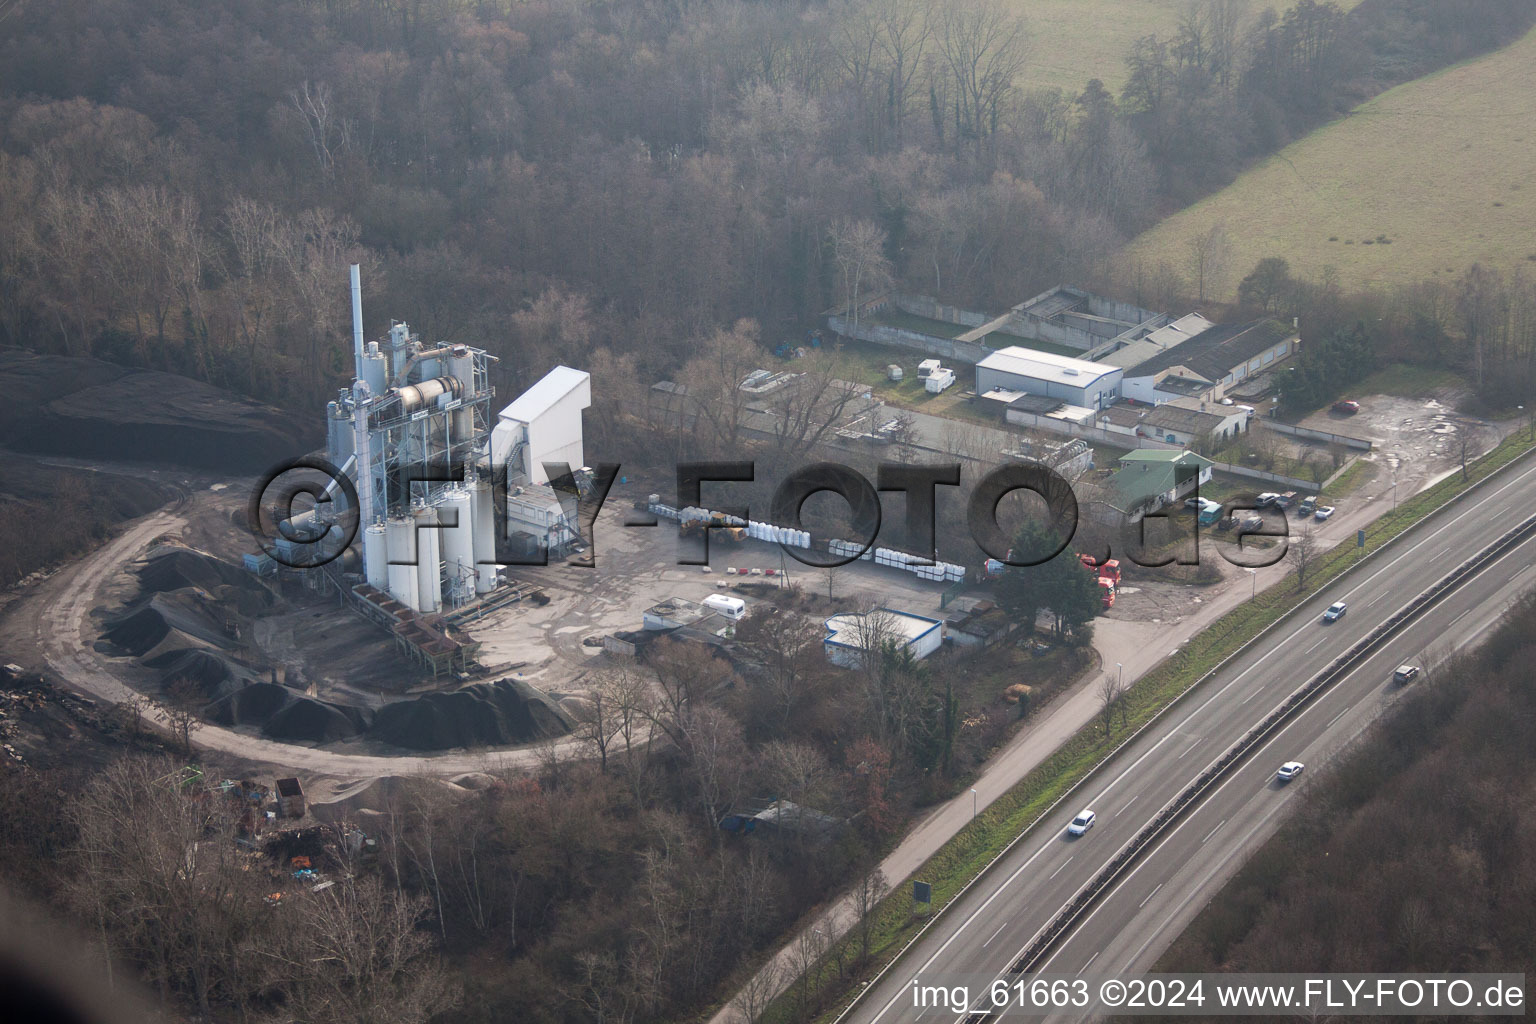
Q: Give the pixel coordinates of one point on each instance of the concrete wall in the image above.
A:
(1359, 443)
(1288, 482)
(923, 305)
(1098, 305)
(896, 337)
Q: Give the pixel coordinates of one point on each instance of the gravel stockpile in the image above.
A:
(502, 713)
(305, 719)
(213, 673)
(163, 623)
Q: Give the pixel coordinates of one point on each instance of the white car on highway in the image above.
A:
(1082, 823)
(1290, 770)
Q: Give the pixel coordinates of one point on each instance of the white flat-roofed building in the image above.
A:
(1074, 381)
(851, 636)
(543, 424)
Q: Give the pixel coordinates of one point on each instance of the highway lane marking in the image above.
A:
(1284, 644)
(1443, 553)
(1213, 831)
(1198, 887)
(1279, 646)
(1459, 618)
(1315, 646)
(1187, 749)
(995, 934)
(1248, 698)
(1063, 864)
(1519, 571)
(902, 989)
(1151, 855)
(1437, 531)
(1149, 896)
(1090, 961)
(1127, 805)
(1336, 717)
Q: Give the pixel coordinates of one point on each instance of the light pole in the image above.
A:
(1119, 675)
(973, 803)
(1254, 574)
(1394, 490)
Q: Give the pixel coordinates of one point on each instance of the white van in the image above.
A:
(732, 608)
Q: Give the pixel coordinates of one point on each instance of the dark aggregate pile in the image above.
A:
(502, 713)
(90, 409)
(288, 715)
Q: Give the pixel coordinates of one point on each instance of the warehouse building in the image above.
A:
(850, 637)
(1027, 371)
(1206, 364)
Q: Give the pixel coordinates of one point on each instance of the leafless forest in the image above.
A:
(181, 184)
(653, 189)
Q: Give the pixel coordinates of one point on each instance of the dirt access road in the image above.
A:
(54, 621)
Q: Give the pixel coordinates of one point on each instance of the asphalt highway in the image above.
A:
(987, 929)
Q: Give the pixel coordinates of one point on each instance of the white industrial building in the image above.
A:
(543, 425)
(1205, 365)
(1027, 371)
(850, 637)
(413, 411)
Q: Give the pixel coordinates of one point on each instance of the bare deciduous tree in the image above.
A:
(1111, 700)
(985, 47)
(1208, 255)
(1304, 553)
(858, 249)
(868, 890)
(758, 993)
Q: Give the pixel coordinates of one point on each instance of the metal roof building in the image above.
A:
(850, 636)
(1074, 381)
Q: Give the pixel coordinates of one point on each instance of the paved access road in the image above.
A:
(986, 930)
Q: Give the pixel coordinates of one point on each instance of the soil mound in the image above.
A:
(214, 674)
(169, 568)
(88, 408)
(315, 721)
(502, 713)
(351, 799)
(287, 715)
(164, 623)
(251, 705)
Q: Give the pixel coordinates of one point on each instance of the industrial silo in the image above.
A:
(428, 560)
(376, 556)
(458, 544)
(484, 514)
(401, 548)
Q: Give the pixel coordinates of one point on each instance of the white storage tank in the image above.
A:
(484, 535)
(400, 547)
(458, 544)
(429, 580)
(375, 372)
(375, 557)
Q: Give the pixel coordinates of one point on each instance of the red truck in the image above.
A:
(1110, 570)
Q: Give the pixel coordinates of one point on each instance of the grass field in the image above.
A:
(1075, 40)
(1420, 182)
